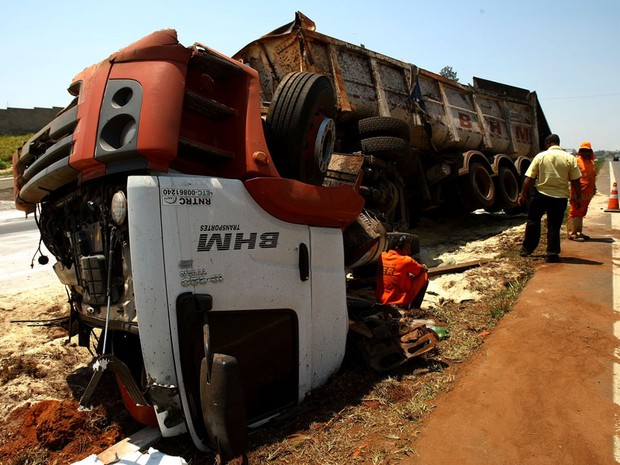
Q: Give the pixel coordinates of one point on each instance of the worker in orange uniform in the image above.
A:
(401, 281)
(574, 224)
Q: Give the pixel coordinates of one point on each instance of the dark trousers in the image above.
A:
(554, 208)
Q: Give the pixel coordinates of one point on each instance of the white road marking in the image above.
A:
(615, 252)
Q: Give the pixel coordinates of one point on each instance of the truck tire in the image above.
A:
(383, 126)
(300, 128)
(477, 188)
(506, 189)
(394, 236)
(385, 147)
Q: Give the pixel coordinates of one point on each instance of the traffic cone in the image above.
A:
(612, 205)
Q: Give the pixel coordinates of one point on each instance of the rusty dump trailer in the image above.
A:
(466, 145)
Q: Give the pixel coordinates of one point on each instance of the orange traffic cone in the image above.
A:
(612, 205)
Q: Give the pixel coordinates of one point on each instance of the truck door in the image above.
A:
(200, 239)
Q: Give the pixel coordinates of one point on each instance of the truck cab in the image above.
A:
(215, 286)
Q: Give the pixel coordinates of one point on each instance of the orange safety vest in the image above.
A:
(588, 177)
(588, 187)
(395, 283)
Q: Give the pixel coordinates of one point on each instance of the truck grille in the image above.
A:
(43, 162)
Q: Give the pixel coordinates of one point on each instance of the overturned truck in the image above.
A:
(203, 212)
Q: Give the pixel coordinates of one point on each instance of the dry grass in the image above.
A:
(35, 456)
(14, 366)
(8, 145)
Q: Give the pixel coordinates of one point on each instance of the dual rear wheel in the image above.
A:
(479, 189)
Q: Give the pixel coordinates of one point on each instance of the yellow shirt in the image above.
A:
(553, 169)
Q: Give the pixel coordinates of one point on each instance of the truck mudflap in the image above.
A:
(213, 380)
(223, 406)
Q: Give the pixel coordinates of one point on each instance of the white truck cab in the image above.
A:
(216, 274)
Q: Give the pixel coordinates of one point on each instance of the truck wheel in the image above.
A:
(383, 126)
(364, 240)
(301, 130)
(477, 188)
(385, 147)
(506, 189)
(395, 235)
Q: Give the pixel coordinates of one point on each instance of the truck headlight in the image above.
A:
(119, 207)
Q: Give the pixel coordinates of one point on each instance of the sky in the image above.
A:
(565, 50)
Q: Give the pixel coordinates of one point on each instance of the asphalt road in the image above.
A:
(19, 241)
(6, 188)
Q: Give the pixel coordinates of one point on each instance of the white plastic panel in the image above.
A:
(330, 321)
(144, 216)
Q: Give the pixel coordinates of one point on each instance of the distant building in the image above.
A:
(16, 121)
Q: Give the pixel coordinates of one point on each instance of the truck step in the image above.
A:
(197, 149)
(64, 123)
(344, 169)
(48, 180)
(58, 128)
(58, 151)
(207, 107)
(215, 66)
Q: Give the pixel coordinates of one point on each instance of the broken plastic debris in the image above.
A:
(441, 331)
(101, 364)
(150, 457)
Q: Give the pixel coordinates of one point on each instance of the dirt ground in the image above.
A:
(43, 374)
(42, 377)
(541, 390)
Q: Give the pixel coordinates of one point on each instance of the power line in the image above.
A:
(578, 96)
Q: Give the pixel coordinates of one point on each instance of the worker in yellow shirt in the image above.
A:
(546, 190)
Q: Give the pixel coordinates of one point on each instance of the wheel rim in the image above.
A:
(477, 188)
(510, 185)
(483, 183)
(324, 144)
(482, 186)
